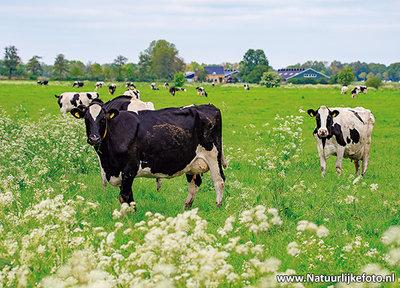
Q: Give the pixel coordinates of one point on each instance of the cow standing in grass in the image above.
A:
(201, 91)
(246, 86)
(69, 100)
(345, 132)
(344, 89)
(173, 89)
(163, 143)
(112, 88)
(78, 84)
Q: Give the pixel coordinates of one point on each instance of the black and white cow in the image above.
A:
(130, 85)
(133, 93)
(68, 100)
(166, 85)
(345, 132)
(78, 84)
(363, 89)
(163, 143)
(173, 89)
(153, 86)
(112, 88)
(344, 89)
(99, 84)
(201, 91)
(246, 86)
(355, 91)
(45, 82)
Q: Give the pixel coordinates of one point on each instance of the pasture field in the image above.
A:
(60, 228)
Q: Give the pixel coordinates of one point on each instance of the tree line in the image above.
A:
(161, 61)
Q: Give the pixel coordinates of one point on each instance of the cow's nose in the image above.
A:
(323, 132)
(93, 139)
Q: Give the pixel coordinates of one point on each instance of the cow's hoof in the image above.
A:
(121, 200)
(219, 204)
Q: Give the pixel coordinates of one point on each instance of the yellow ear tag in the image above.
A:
(112, 115)
(77, 115)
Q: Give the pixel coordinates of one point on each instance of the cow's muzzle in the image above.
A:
(322, 133)
(93, 139)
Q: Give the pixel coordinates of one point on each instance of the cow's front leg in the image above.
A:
(158, 181)
(357, 164)
(194, 182)
(339, 160)
(125, 195)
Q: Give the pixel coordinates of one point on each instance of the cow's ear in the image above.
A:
(78, 113)
(112, 114)
(312, 113)
(334, 113)
(57, 96)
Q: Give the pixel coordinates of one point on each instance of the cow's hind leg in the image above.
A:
(194, 182)
(217, 175)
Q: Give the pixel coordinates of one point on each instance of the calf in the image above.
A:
(163, 143)
(112, 88)
(246, 86)
(68, 100)
(201, 91)
(344, 89)
(166, 85)
(153, 86)
(173, 89)
(345, 132)
(355, 92)
(78, 84)
(99, 84)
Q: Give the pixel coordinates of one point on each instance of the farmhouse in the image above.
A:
(217, 74)
(300, 73)
(190, 76)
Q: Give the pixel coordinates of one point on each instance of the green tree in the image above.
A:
(11, 60)
(374, 82)
(255, 75)
(251, 59)
(161, 60)
(34, 67)
(96, 72)
(179, 79)
(202, 76)
(271, 79)
(60, 67)
(370, 75)
(119, 62)
(76, 70)
(346, 76)
(362, 76)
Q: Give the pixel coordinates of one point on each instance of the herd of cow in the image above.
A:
(132, 139)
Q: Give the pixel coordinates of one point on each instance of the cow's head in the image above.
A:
(95, 119)
(324, 118)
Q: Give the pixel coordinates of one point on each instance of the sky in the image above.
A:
(205, 31)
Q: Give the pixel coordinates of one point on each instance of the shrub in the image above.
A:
(374, 82)
(271, 79)
(179, 79)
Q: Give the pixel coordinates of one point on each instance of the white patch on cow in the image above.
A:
(66, 104)
(323, 112)
(94, 111)
(137, 105)
(116, 181)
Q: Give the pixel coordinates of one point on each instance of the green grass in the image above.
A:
(45, 154)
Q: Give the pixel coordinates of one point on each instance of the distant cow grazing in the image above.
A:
(99, 84)
(201, 91)
(112, 88)
(173, 89)
(153, 86)
(162, 143)
(357, 90)
(246, 86)
(363, 89)
(130, 85)
(344, 89)
(78, 84)
(45, 82)
(166, 85)
(68, 100)
(345, 132)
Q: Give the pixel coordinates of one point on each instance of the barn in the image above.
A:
(301, 73)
